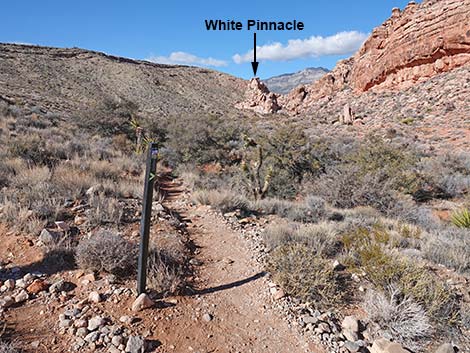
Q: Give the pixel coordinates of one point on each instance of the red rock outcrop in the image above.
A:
(259, 99)
(412, 46)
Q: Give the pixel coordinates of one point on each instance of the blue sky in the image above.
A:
(154, 30)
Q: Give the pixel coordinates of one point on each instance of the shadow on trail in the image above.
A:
(228, 285)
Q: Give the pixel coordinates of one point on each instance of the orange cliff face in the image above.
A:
(414, 45)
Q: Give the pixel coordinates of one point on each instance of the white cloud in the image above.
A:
(316, 46)
(183, 58)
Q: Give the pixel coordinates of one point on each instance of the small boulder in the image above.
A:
(92, 337)
(142, 302)
(37, 286)
(207, 317)
(135, 344)
(21, 297)
(9, 284)
(95, 322)
(94, 297)
(446, 348)
(6, 302)
(383, 345)
(350, 326)
(279, 294)
(49, 237)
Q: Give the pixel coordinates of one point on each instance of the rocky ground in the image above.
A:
(228, 306)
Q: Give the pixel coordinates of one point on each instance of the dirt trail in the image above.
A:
(232, 288)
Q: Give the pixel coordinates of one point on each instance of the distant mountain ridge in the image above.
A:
(284, 83)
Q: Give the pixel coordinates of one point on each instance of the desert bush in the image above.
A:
(303, 274)
(270, 206)
(60, 254)
(106, 170)
(104, 210)
(321, 238)
(8, 347)
(109, 117)
(449, 247)
(165, 273)
(224, 200)
(446, 175)
(399, 316)
(71, 181)
(369, 252)
(461, 218)
(106, 251)
(202, 139)
(278, 234)
(312, 209)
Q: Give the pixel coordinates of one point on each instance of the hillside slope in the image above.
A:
(285, 83)
(67, 80)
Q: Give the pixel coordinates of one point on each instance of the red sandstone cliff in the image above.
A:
(414, 45)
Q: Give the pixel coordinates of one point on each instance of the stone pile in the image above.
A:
(93, 331)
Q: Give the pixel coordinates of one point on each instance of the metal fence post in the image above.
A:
(146, 213)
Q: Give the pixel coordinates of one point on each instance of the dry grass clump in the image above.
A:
(6, 347)
(224, 201)
(321, 238)
(449, 247)
(399, 316)
(303, 274)
(166, 264)
(108, 252)
(165, 272)
(61, 253)
(104, 210)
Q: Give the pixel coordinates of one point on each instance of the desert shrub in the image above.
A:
(372, 174)
(165, 273)
(278, 234)
(202, 139)
(446, 175)
(449, 247)
(465, 315)
(384, 268)
(109, 117)
(461, 218)
(321, 238)
(312, 209)
(108, 252)
(71, 181)
(224, 200)
(106, 170)
(316, 206)
(303, 274)
(36, 149)
(61, 253)
(104, 210)
(399, 316)
(271, 206)
(19, 217)
(8, 347)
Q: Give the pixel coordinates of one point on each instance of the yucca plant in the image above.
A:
(461, 218)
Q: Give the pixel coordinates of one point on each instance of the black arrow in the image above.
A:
(254, 63)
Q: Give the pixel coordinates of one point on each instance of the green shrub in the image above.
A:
(303, 274)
